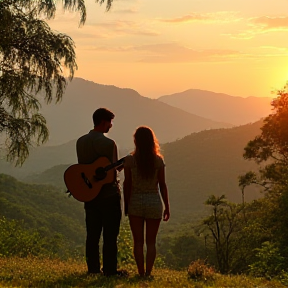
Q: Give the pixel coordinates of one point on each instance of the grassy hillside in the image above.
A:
(33, 272)
(42, 207)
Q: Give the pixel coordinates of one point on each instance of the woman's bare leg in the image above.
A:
(152, 226)
(137, 228)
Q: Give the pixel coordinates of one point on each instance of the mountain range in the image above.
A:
(72, 117)
(220, 107)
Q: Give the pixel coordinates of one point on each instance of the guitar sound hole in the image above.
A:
(100, 174)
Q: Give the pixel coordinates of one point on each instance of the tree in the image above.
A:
(224, 224)
(271, 147)
(34, 63)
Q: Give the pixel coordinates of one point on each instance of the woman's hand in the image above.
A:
(166, 215)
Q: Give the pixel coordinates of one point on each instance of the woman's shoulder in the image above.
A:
(128, 160)
(159, 161)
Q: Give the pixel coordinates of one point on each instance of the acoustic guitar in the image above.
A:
(84, 181)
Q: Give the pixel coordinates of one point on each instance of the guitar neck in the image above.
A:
(115, 165)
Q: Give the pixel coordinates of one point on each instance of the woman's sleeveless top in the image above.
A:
(140, 185)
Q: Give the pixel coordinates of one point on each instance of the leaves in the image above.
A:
(270, 148)
(34, 65)
(273, 141)
(266, 218)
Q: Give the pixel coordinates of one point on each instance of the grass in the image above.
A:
(36, 272)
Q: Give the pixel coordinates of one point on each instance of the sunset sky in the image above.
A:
(159, 47)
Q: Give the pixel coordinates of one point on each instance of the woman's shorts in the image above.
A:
(148, 206)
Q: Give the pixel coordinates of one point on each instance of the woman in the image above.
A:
(144, 172)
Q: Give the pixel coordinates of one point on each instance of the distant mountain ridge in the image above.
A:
(219, 106)
(73, 116)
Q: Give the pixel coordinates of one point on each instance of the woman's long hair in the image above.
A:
(146, 150)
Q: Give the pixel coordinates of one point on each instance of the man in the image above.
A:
(103, 213)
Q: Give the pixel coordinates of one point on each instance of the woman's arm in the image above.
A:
(127, 187)
(164, 193)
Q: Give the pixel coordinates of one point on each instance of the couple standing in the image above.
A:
(144, 173)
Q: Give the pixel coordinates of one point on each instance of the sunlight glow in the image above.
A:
(237, 47)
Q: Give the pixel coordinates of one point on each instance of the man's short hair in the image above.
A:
(102, 114)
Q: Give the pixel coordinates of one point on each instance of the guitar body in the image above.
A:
(81, 182)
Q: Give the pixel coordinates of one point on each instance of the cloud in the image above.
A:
(217, 17)
(172, 53)
(78, 34)
(126, 11)
(108, 49)
(112, 29)
(273, 51)
(267, 23)
(188, 18)
(122, 27)
(261, 25)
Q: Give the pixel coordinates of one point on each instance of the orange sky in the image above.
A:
(238, 47)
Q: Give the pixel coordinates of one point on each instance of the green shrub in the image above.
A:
(270, 263)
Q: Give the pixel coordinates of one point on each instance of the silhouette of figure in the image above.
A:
(103, 213)
(144, 171)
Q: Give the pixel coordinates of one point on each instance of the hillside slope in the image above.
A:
(42, 207)
(208, 162)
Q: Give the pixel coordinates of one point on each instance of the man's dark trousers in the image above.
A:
(105, 215)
